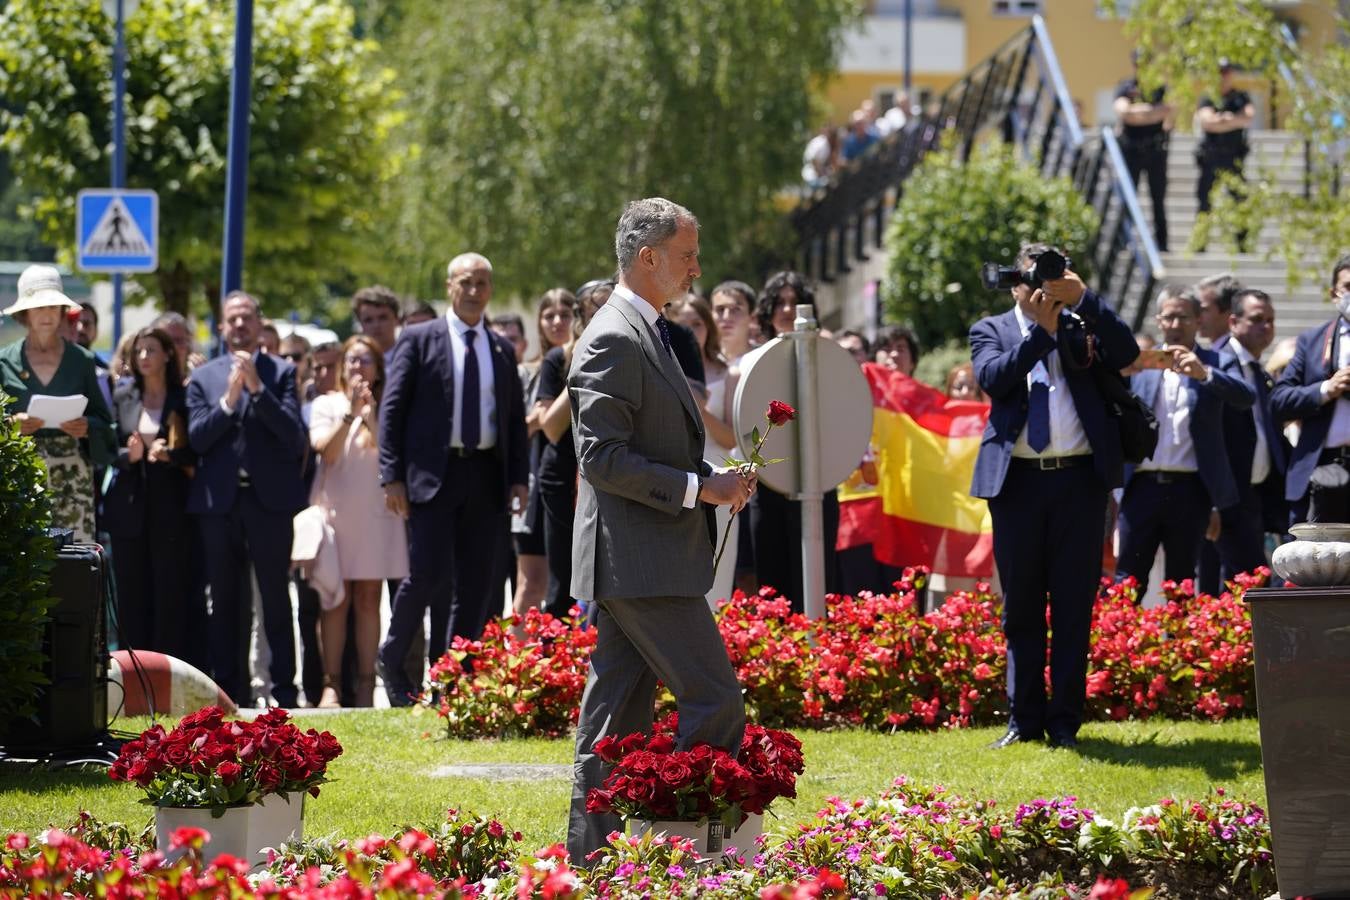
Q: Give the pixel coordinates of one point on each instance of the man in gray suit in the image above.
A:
(641, 550)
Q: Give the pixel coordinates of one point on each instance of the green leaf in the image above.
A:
(754, 436)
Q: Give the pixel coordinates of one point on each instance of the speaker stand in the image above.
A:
(101, 752)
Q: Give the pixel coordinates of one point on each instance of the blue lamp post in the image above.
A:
(119, 11)
(236, 178)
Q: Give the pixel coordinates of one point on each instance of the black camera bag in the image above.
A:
(1138, 424)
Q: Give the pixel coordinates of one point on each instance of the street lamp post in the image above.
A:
(236, 178)
(119, 11)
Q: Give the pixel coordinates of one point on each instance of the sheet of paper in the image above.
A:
(55, 410)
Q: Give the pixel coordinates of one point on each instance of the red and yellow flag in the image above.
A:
(920, 512)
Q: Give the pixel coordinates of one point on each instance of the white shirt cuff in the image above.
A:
(1326, 390)
(224, 405)
(691, 491)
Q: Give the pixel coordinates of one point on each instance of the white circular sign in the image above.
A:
(844, 418)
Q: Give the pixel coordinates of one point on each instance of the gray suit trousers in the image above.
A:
(641, 640)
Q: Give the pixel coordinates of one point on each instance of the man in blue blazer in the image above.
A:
(453, 460)
(1169, 497)
(1049, 456)
(1256, 450)
(1313, 388)
(244, 423)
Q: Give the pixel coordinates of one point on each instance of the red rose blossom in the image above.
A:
(779, 413)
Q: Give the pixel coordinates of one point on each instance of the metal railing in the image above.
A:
(1020, 91)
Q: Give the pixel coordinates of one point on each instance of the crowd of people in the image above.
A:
(834, 146)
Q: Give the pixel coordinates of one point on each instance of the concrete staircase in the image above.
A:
(1273, 152)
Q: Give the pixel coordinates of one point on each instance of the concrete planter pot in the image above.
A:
(1301, 639)
(710, 838)
(241, 831)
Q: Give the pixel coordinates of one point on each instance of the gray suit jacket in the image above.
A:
(638, 435)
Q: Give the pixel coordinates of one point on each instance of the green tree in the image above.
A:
(1180, 43)
(317, 151)
(954, 216)
(531, 123)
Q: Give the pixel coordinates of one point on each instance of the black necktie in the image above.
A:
(664, 327)
(1038, 416)
(470, 424)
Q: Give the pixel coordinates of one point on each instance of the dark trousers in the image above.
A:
(250, 535)
(1241, 546)
(1151, 160)
(1209, 173)
(639, 641)
(1047, 540)
(777, 525)
(1168, 510)
(559, 512)
(307, 613)
(453, 546)
(151, 572)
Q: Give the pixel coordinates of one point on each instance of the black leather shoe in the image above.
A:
(1067, 741)
(1010, 737)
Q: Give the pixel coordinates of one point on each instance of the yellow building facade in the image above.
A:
(951, 36)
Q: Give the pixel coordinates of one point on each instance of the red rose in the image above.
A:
(780, 413)
(661, 743)
(229, 772)
(676, 772)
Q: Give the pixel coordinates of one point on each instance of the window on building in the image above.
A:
(1018, 7)
(1117, 9)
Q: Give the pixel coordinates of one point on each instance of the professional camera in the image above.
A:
(1049, 265)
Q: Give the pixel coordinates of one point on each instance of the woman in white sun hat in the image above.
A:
(43, 362)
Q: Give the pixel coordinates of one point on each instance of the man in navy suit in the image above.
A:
(1050, 454)
(1169, 497)
(1313, 388)
(1256, 449)
(244, 423)
(453, 459)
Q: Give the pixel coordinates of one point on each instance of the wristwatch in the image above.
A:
(699, 492)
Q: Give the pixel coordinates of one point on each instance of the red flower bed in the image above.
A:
(875, 661)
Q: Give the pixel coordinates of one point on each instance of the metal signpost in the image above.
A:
(825, 443)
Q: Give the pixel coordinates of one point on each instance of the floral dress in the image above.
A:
(70, 461)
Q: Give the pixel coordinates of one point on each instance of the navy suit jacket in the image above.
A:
(265, 436)
(1298, 395)
(1003, 358)
(1239, 434)
(1226, 389)
(419, 401)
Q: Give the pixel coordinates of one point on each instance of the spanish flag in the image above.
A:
(920, 512)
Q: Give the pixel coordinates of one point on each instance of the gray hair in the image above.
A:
(1175, 292)
(467, 261)
(647, 223)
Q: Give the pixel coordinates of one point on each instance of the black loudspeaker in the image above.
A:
(72, 708)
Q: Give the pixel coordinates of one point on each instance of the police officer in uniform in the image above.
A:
(1145, 124)
(1223, 142)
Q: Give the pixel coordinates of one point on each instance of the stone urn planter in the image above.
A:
(1318, 556)
(1301, 644)
(710, 837)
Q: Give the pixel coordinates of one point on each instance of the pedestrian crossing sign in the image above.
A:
(117, 230)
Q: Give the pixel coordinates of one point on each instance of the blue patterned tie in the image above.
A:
(470, 418)
(1038, 417)
(664, 327)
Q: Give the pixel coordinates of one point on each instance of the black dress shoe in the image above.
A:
(1010, 737)
(1067, 741)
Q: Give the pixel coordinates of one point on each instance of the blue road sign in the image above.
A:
(117, 230)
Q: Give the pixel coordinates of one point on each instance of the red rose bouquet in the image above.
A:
(653, 780)
(208, 763)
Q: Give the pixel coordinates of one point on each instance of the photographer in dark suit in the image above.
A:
(1174, 498)
(1050, 454)
(453, 460)
(244, 424)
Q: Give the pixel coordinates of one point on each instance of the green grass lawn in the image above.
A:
(386, 776)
